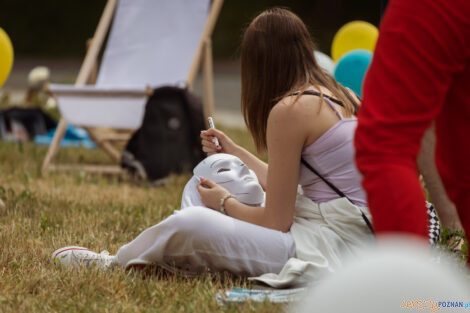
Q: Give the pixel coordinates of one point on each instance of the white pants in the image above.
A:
(197, 238)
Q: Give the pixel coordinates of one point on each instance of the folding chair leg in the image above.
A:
(105, 145)
(111, 150)
(54, 147)
(216, 6)
(208, 80)
(98, 38)
(94, 69)
(83, 76)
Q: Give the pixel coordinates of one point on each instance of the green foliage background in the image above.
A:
(57, 28)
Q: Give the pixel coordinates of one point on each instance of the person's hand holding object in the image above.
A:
(209, 147)
(211, 193)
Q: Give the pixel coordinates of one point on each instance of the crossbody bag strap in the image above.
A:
(339, 192)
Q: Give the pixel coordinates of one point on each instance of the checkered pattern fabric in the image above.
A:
(434, 226)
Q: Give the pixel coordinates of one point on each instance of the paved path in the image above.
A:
(227, 85)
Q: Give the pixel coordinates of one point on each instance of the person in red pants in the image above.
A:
(420, 73)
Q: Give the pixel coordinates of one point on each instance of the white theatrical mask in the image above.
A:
(229, 172)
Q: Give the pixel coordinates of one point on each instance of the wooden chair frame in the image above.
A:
(88, 71)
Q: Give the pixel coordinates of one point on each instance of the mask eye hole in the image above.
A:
(221, 170)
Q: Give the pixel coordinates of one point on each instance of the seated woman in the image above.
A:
(168, 244)
(304, 119)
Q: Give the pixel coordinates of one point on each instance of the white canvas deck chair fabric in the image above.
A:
(151, 43)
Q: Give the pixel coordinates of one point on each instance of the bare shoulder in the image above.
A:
(294, 109)
(291, 119)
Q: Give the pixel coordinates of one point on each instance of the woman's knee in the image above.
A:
(192, 221)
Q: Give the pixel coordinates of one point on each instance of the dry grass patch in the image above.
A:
(43, 213)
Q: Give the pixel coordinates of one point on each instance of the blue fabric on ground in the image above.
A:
(239, 295)
(74, 137)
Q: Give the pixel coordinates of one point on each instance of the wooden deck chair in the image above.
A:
(151, 43)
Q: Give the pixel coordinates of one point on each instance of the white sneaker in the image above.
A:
(80, 256)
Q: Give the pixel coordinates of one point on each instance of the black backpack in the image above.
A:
(168, 140)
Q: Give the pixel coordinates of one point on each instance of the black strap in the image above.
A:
(339, 192)
(316, 93)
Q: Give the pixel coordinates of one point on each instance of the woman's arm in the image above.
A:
(427, 166)
(286, 135)
(287, 132)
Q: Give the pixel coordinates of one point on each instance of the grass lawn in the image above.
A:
(44, 213)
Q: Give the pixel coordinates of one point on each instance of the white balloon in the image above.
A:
(397, 277)
(325, 62)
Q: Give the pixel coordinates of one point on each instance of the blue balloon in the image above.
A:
(351, 69)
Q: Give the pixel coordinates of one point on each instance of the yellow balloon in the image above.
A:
(354, 35)
(6, 56)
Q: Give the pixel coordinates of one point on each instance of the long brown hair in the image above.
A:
(277, 59)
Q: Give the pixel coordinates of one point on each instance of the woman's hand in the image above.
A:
(208, 145)
(211, 193)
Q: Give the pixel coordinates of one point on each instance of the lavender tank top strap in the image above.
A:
(333, 107)
(328, 100)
